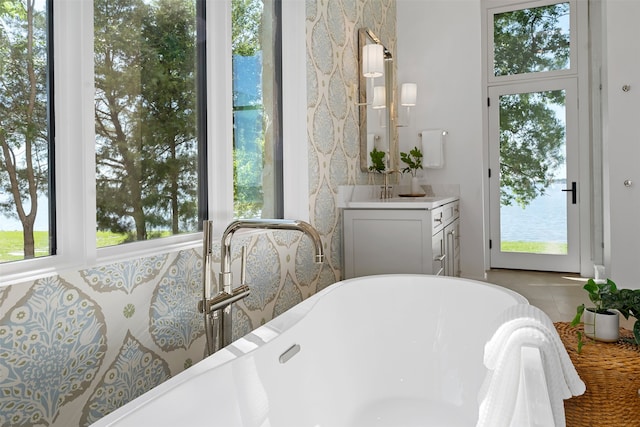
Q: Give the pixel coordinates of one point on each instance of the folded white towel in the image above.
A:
(432, 148)
(524, 325)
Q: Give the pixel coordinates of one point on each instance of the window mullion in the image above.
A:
(219, 114)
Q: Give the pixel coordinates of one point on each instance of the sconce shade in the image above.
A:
(408, 94)
(372, 60)
(379, 98)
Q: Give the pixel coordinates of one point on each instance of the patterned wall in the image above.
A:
(332, 113)
(75, 346)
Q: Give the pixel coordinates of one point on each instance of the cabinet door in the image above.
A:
(438, 251)
(386, 241)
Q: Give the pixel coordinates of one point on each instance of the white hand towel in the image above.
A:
(528, 326)
(432, 148)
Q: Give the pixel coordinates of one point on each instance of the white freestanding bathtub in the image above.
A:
(389, 350)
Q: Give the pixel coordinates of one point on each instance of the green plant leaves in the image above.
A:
(377, 160)
(607, 296)
(413, 160)
(579, 312)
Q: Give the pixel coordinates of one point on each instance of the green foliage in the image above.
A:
(247, 175)
(12, 244)
(534, 247)
(377, 160)
(530, 40)
(146, 149)
(245, 31)
(627, 302)
(24, 138)
(145, 110)
(600, 294)
(607, 296)
(531, 145)
(531, 136)
(413, 160)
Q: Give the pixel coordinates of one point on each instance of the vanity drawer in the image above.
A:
(444, 215)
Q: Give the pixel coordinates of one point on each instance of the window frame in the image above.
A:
(573, 40)
(74, 122)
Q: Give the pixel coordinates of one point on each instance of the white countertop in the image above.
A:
(402, 203)
(361, 197)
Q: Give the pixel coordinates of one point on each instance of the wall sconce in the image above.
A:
(372, 60)
(379, 98)
(408, 94)
(408, 99)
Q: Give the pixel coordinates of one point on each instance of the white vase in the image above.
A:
(601, 326)
(416, 188)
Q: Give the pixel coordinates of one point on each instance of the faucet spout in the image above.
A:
(218, 307)
(271, 224)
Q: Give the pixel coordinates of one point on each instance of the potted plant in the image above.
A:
(601, 322)
(627, 302)
(413, 160)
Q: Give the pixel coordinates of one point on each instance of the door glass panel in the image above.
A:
(533, 207)
(531, 40)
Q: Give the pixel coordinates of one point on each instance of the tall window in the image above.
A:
(257, 108)
(150, 146)
(26, 156)
(146, 119)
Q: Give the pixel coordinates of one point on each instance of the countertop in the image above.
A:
(353, 197)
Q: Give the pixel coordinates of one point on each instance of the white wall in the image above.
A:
(439, 48)
(621, 141)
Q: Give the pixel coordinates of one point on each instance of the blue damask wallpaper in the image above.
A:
(76, 346)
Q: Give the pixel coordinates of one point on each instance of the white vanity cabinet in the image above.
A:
(383, 241)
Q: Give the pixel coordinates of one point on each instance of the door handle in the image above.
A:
(574, 192)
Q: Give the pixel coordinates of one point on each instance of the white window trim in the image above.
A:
(294, 92)
(501, 7)
(75, 160)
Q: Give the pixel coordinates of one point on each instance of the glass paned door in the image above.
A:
(534, 185)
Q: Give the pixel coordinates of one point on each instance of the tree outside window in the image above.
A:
(147, 140)
(146, 119)
(24, 130)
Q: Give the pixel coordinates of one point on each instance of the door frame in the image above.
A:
(531, 261)
(588, 72)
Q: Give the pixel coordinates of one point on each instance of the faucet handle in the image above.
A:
(243, 265)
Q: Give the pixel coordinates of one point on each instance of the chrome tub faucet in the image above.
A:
(225, 294)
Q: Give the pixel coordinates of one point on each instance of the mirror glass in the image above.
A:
(375, 99)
